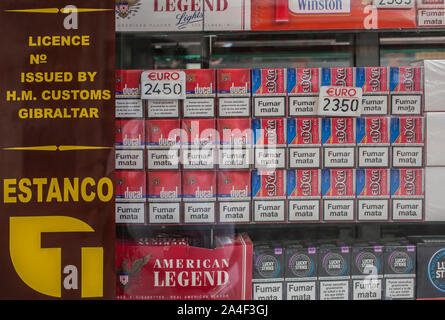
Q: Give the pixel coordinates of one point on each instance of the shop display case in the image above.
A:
(238, 187)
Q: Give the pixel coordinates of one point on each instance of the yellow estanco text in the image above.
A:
(48, 190)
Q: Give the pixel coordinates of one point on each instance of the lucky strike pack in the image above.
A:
(164, 270)
(130, 186)
(130, 133)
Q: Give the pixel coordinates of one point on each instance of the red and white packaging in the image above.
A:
(235, 131)
(234, 195)
(128, 94)
(338, 192)
(374, 82)
(199, 132)
(269, 194)
(164, 194)
(406, 88)
(269, 132)
(234, 94)
(431, 17)
(407, 138)
(130, 134)
(304, 141)
(227, 15)
(163, 133)
(165, 271)
(303, 194)
(199, 193)
(338, 140)
(373, 192)
(373, 139)
(303, 88)
(407, 193)
(200, 93)
(130, 186)
(269, 89)
(340, 77)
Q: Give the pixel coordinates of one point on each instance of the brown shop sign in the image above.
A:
(57, 229)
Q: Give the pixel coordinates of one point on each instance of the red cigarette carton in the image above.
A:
(128, 83)
(199, 132)
(200, 82)
(407, 130)
(163, 133)
(338, 183)
(130, 134)
(407, 183)
(406, 79)
(302, 183)
(373, 131)
(303, 132)
(164, 271)
(270, 131)
(372, 183)
(235, 131)
(269, 82)
(342, 77)
(338, 131)
(164, 185)
(268, 183)
(233, 82)
(199, 185)
(130, 186)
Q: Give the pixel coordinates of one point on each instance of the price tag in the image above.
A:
(163, 84)
(394, 4)
(340, 101)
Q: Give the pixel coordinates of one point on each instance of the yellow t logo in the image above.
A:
(41, 268)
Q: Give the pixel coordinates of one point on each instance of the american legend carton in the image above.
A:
(269, 92)
(199, 194)
(406, 89)
(367, 271)
(407, 194)
(128, 94)
(269, 195)
(301, 272)
(303, 86)
(234, 93)
(399, 271)
(373, 192)
(338, 139)
(373, 140)
(339, 77)
(164, 195)
(200, 93)
(407, 139)
(234, 196)
(334, 272)
(374, 82)
(130, 134)
(269, 143)
(338, 194)
(303, 195)
(162, 269)
(268, 271)
(163, 138)
(304, 142)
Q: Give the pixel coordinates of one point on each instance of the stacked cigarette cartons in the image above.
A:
(235, 145)
(162, 127)
(268, 271)
(406, 89)
(198, 147)
(399, 271)
(300, 275)
(303, 134)
(374, 82)
(373, 140)
(129, 152)
(367, 271)
(334, 272)
(303, 194)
